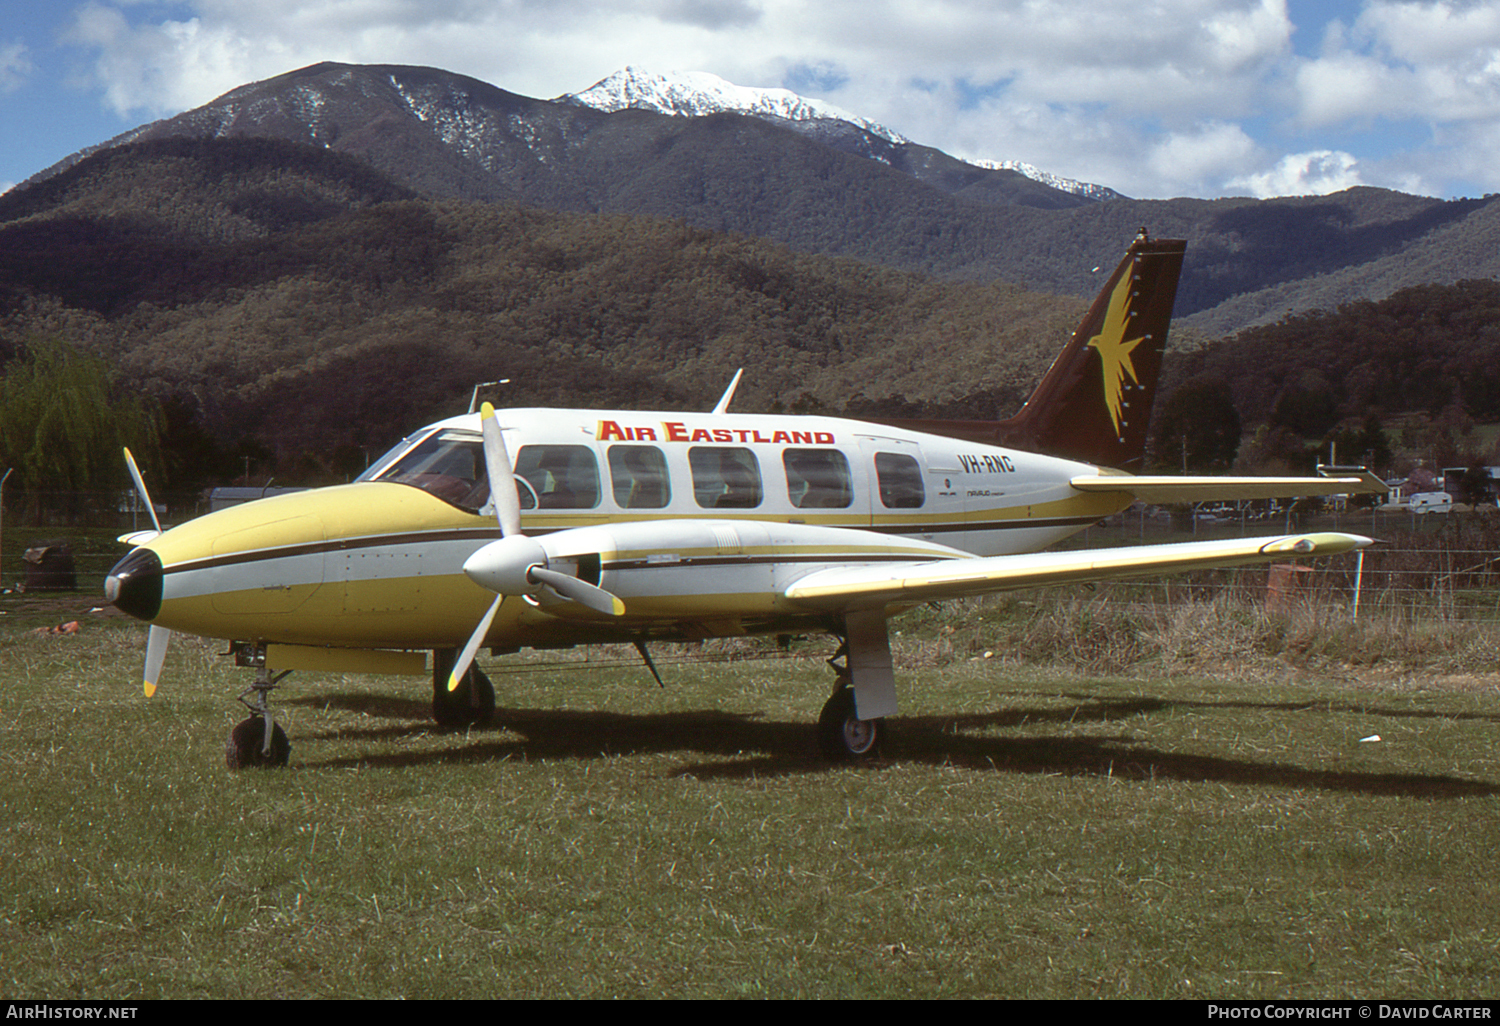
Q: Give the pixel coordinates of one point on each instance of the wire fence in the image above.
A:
(1447, 571)
(1454, 586)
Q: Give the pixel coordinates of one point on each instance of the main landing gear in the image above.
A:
(471, 703)
(842, 735)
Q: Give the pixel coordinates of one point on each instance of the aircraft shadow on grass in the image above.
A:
(755, 747)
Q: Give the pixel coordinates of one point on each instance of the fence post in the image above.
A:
(1359, 573)
(2, 523)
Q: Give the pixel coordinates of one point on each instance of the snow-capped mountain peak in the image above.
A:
(698, 94)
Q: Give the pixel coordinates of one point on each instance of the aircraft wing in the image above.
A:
(1207, 489)
(869, 586)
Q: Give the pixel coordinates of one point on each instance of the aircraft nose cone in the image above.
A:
(134, 585)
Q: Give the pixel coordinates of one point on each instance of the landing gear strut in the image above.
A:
(258, 741)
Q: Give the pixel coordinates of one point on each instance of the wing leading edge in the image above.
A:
(870, 586)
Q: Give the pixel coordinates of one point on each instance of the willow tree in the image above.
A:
(63, 421)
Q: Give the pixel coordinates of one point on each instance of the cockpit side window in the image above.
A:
(638, 475)
(725, 477)
(817, 478)
(563, 476)
(900, 478)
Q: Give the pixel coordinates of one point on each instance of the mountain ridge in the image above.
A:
(825, 185)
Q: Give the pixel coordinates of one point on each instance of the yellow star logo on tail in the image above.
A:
(1115, 349)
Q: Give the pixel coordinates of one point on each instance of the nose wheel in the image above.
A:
(258, 742)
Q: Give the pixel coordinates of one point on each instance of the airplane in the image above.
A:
(639, 527)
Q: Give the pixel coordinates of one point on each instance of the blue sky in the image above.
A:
(1155, 98)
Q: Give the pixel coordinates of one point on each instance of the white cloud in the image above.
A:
(1347, 86)
(1174, 97)
(1422, 33)
(1303, 174)
(1192, 160)
(1438, 62)
(15, 66)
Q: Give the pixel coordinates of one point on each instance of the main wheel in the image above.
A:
(245, 747)
(842, 736)
(473, 701)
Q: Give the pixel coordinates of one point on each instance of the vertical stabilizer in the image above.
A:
(1094, 403)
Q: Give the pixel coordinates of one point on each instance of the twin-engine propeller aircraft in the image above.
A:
(635, 527)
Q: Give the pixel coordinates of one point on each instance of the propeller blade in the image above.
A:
(140, 486)
(471, 647)
(497, 467)
(582, 592)
(156, 656)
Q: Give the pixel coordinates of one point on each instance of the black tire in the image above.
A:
(843, 737)
(243, 749)
(471, 703)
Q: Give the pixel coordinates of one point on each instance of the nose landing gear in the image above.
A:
(258, 741)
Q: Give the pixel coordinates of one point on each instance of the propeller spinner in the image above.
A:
(515, 564)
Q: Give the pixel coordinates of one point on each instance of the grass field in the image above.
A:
(1035, 831)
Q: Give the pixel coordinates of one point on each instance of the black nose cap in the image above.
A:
(134, 585)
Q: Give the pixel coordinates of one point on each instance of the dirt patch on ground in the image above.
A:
(47, 608)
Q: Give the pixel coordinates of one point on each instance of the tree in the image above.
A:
(1366, 445)
(1198, 428)
(63, 424)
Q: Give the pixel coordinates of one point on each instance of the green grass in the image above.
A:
(1034, 833)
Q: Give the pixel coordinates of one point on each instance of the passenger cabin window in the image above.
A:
(447, 464)
(818, 478)
(900, 478)
(638, 476)
(724, 477)
(562, 476)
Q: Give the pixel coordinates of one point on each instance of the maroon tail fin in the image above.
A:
(1094, 403)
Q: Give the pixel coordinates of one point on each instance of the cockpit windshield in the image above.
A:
(447, 463)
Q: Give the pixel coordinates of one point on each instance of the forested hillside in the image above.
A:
(1417, 370)
(298, 307)
(333, 317)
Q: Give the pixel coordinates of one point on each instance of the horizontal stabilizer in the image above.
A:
(862, 587)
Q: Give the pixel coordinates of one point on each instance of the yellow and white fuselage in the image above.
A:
(698, 523)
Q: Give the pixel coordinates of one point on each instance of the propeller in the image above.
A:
(140, 486)
(157, 638)
(515, 564)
